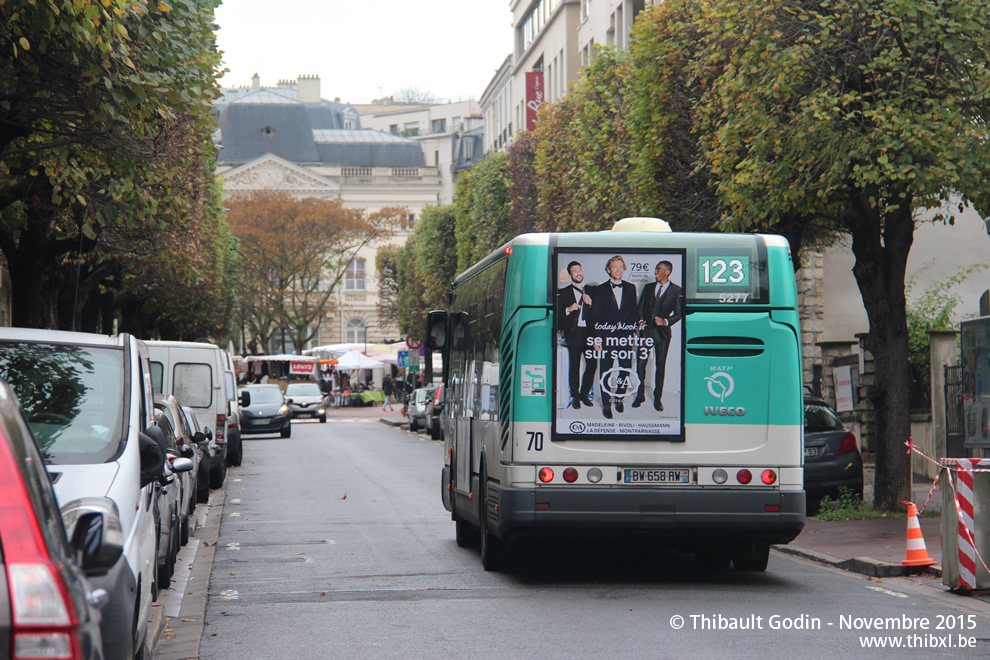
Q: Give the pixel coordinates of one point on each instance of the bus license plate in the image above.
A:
(656, 476)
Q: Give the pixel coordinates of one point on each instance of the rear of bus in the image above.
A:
(719, 469)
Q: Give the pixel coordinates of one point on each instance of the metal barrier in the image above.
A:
(965, 523)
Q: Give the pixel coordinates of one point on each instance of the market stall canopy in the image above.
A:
(357, 360)
(299, 365)
(330, 351)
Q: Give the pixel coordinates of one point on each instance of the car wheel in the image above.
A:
(435, 432)
(235, 448)
(163, 575)
(286, 432)
(218, 470)
(323, 419)
(184, 531)
(203, 480)
(413, 425)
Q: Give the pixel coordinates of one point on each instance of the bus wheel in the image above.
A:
(467, 535)
(493, 549)
(752, 558)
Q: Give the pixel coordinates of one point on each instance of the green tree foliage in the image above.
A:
(521, 167)
(668, 174)
(931, 310)
(482, 203)
(387, 278)
(583, 151)
(409, 305)
(855, 115)
(295, 253)
(436, 255)
(105, 120)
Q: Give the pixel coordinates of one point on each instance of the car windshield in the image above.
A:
(72, 396)
(303, 389)
(266, 394)
(820, 418)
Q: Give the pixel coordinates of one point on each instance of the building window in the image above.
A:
(393, 129)
(354, 277)
(357, 332)
(468, 149)
(439, 125)
(411, 129)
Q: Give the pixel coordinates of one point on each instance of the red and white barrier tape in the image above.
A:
(962, 497)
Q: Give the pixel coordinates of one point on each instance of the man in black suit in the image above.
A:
(660, 307)
(614, 315)
(573, 309)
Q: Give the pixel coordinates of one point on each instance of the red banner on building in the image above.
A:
(534, 97)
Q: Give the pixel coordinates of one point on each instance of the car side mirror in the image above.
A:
(152, 457)
(288, 400)
(244, 399)
(95, 536)
(181, 465)
(185, 451)
(199, 437)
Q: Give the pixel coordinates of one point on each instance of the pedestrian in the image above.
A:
(388, 391)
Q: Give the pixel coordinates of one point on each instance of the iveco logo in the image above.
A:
(725, 411)
(577, 427)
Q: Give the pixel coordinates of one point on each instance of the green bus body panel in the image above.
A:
(765, 382)
(772, 388)
(532, 328)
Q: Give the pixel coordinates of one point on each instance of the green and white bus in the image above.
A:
(625, 383)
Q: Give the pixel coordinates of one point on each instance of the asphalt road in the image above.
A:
(334, 544)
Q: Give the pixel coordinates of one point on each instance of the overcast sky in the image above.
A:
(367, 49)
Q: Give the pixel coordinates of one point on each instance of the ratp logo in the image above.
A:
(720, 385)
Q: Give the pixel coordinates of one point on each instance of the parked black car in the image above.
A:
(831, 455)
(264, 410)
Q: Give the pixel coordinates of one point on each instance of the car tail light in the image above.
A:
(744, 476)
(769, 477)
(546, 475)
(43, 613)
(848, 444)
(570, 475)
(221, 427)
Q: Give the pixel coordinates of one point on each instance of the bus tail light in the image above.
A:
(546, 475)
(744, 476)
(769, 477)
(848, 444)
(720, 476)
(570, 475)
(594, 475)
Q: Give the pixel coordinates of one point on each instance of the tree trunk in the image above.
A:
(881, 246)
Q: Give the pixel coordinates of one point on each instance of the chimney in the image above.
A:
(255, 82)
(308, 89)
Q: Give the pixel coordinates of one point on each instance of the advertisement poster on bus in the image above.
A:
(619, 321)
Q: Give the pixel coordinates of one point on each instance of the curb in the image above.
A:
(394, 422)
(862, 565)
(156, 626)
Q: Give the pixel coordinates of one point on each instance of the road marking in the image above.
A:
(234, 546)
(235, 515)
(888, 592)
(235, 501)
(229, 594)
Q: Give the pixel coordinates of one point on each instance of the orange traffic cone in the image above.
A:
(917, 553)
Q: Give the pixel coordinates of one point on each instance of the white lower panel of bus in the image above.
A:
(705, 444)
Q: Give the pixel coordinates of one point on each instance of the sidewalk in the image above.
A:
(872, 547)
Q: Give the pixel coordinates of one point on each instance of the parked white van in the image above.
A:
(87, 399)
(196, 374)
